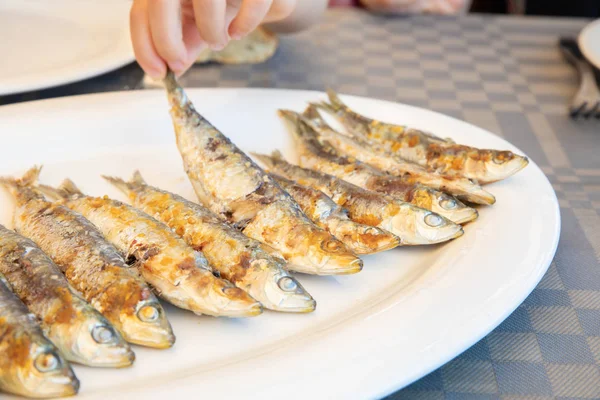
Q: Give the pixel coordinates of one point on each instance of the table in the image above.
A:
(506, 75)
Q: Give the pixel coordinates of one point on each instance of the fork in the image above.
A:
(586, 102)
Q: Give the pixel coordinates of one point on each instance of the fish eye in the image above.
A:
(448, 204)
(148, 313)
(370, 231)
(47, 362)
(287, 284)
(103, 334)
(433, 220)
(331, 245)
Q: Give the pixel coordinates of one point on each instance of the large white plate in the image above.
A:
(589, 42)
(408, 312)
(49, 43)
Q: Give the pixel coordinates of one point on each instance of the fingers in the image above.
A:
(210, 21)
(166, 30)
(250, 15)
(141, 39)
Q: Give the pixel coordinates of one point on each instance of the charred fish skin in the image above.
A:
(229, 183)
(92, 265)
(373, 154)
(441, 155)
(30, 365)
(411, 224)
(362, 239)
(239, 259)
(177, 272)
(322, 157)
(80, 332)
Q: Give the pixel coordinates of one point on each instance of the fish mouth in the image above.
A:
(241, 310)
(118, 359)
(384, 244)
(352, 267)
(297, 305)
(480, 196)
(155, 340)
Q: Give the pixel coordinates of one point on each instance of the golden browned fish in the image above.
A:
(30, 365)
(413, 225)
(179, 274)
(374, 154)
(238, 258)
(322, 157)
(362, 239)
(80, 332)
(441, 155)
(229, 183)
(91, 264)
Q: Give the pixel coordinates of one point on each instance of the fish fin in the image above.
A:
(23, 188)
(65, 190)
(335, 100)
(69, 188)
(119, 183)
(288, 115)
(276, 154)
(312, 112)
(137, 178)
(322, 105)
(263, 159)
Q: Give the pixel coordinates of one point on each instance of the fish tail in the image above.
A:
(329, 108)
(177, 98)
(18, 186)
(69, 188)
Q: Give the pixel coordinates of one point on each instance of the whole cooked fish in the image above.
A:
(241, 260)
(30, 365)
(362, 239)
(322, 157)
(80, 332)
(413, 225)
(374, 154)
(229, 183)
(92, 265)
(179, 274)
(441, 155)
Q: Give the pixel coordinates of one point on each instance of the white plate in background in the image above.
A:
(589, 42)
(50, 43)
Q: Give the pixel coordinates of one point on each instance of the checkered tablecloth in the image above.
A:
(503, 74)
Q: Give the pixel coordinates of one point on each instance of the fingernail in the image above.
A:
(177, 66)
(218, 47)
(156, 74)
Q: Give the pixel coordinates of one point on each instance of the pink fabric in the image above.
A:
(343, 3)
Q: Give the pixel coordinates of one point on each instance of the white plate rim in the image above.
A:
(122, 56)
(585, 43)
(386, 386)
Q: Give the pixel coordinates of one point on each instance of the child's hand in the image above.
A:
(173, 32)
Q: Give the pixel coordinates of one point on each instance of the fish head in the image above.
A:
(327, 256)
(42, 372)
(499, 165)
(227, 300)
(93, 341)
(418, 226)
(364, 239)
(147, 325)
(277, 290)
(445, 205)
